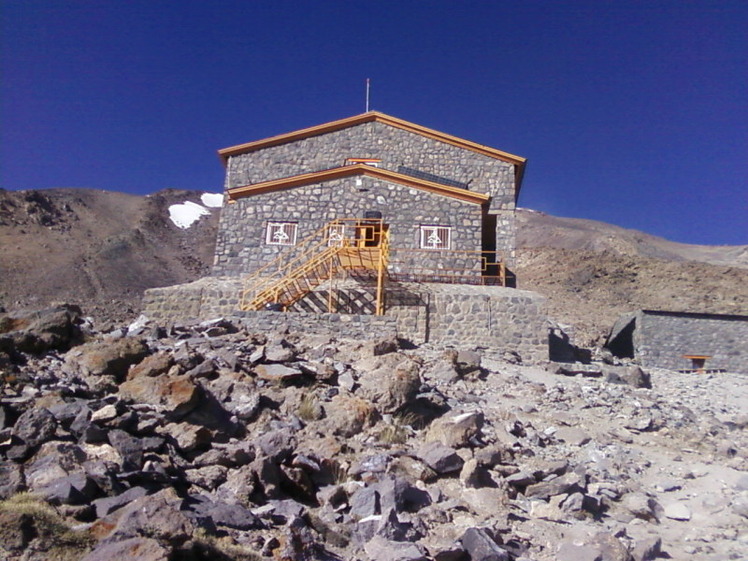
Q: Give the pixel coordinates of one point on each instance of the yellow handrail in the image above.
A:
(330, 248)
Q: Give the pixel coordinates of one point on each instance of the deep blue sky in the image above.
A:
(631, 112)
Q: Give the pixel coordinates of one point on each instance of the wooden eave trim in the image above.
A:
(371, 116)
(352, 170)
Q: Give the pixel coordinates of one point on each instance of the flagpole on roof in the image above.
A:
(367, 95)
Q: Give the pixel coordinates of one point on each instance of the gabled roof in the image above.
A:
(373, 116)
(354, 170)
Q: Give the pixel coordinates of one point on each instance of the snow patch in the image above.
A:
(186, 214)
(212, 200)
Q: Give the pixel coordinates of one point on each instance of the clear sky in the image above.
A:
(630, 112)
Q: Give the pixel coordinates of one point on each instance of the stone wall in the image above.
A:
(397, 149)
(493, 318)
(394, 146)
(662, 338)
(241, 247)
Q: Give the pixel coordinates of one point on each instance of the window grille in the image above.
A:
(436, 237)
(281, 233)
(336, 235)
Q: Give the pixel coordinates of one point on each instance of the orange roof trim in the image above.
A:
(353, 170)
(372, 116)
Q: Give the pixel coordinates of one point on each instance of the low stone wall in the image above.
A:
(209, 297)
(494, 318)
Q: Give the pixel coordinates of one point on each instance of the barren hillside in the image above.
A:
(100, 249)
(591, 272)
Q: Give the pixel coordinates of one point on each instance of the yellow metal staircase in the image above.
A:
(342, 245)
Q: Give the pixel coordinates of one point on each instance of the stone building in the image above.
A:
(682, 340)
(398, 209)
(434, 192)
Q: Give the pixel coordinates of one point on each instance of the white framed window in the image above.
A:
(336, 234)
(281, 233)
(436, 237)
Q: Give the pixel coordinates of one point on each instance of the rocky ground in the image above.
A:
(205, 441)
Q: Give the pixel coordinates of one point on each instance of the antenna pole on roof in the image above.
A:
(367, 95)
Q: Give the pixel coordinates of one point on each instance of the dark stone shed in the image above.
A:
(664, 339)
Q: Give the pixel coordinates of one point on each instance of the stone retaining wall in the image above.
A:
(494, 318)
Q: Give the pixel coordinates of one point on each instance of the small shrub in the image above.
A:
(309, 408)
(47, 520)
(393, 434)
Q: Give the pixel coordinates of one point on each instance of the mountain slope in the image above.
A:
(591, 272)
(101, 249)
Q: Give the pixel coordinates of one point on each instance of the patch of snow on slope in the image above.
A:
(186, 214)
(212, 200)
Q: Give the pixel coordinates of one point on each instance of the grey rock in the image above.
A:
(629, 375)
(569, 551)
(228, 515)
(277, 372)
(365, 503)
(572, 435)
(677, 511)
(381, 549)
(11, 479)
(481, 547)
(142, 549)
(440, 458)
(107, 505)
(648, 549)
(455, 431)
(129, 448)
(74, 489)
(567, 483)
(35, 427)
(158, 516)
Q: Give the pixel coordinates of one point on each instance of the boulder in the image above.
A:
(35, 427)
(481, 547)
(381, 549)
(455, 431)
(142, 549)
(175, 396)
(442, 459)
(347, 415)
(107, 357)
(393, 382)
(55, 328)
(630, 375)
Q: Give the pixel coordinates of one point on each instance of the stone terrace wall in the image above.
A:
(241, 247)
(661, 339)
(493, 318)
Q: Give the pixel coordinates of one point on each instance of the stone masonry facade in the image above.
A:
(237, 248)
(241, 246)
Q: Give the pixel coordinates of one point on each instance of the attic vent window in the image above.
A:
(281, 233)
(374, 162)
(436, 237)
(405, 170)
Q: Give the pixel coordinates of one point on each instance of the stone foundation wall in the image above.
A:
(494, 318)
(348, 326)
(662, 338)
